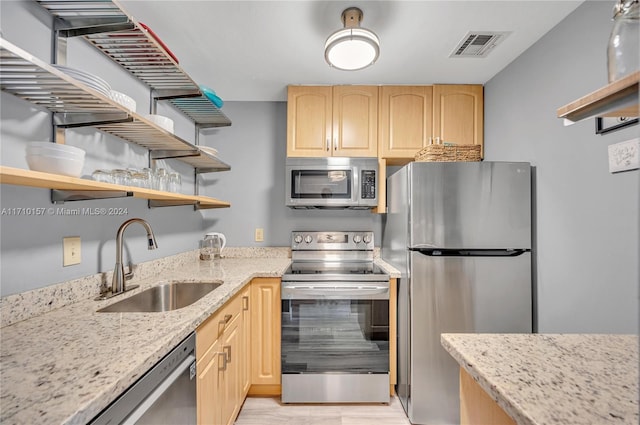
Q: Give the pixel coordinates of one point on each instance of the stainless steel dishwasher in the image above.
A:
(166, 394)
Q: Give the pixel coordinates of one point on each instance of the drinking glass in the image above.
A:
(175, 182)
(121, 177)
(162, 179)
(102, 176)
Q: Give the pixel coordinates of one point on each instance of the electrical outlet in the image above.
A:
(71, 253)
(259, 234)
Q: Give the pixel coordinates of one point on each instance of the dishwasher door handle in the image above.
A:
(142, 408)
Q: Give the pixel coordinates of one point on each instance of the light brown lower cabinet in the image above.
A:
(219, 364)
(225, 343)
(477, 407)
(245, 353)
(266, 336)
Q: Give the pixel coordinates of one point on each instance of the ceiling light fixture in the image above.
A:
(352, 47)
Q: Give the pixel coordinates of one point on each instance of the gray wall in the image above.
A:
(587, 218)
(254, 146)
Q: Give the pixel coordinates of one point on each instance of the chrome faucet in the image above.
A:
(119, 276)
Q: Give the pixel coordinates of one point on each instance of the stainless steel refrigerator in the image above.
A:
(460, 233)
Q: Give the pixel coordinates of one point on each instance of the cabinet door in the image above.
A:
(309, 121)
(231, 385)
(355, 121)
(265, 327)
(458, 114)
(405, 120)
(209, 408)
(245, 350)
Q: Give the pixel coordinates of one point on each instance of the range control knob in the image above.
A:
(367, 238)
(357, 238)
(297, 239)
(308, 239)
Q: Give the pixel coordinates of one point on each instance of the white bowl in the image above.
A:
(48, 148)
(123, 100)
(161, 121)
(55, 164)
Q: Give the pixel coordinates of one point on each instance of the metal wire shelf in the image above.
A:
(76, 104)
(111, 30)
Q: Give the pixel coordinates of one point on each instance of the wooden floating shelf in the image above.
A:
(618, 99)
(21, 177)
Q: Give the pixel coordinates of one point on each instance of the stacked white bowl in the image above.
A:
(161, 121)
(55, 158)
(123, 100)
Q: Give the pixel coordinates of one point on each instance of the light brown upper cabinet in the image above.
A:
(412, 115)
(406, 120)
(458, 114)
(332, 121)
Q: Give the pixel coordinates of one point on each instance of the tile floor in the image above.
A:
(269, 411)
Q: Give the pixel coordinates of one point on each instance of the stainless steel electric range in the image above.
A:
(335, 320)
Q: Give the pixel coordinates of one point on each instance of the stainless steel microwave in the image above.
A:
(332, 182)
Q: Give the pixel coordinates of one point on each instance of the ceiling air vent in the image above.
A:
(477, 44)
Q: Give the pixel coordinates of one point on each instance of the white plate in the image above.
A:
(93, 81)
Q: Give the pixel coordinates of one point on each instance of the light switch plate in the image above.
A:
(71, 252)
(624, 156)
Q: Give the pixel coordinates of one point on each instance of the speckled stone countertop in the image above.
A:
(64, 365)
(549, 379)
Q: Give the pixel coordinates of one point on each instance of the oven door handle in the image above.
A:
(292, 291)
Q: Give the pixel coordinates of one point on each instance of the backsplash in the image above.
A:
(22, 306)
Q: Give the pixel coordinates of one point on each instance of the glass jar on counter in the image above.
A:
(623, 50)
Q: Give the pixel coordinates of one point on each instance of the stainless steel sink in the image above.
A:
(164, 297)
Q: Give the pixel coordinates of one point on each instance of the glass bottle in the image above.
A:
(623, 50)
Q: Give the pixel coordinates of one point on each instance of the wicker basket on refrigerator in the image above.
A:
(448, 152)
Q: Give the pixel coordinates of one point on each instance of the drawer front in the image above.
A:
(212, 328)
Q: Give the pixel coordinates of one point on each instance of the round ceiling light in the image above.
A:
(352, 47)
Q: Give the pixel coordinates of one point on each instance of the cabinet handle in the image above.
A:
(227, 350)
(245, 303)
(224, 361)
(335, 144)
(226, 319)
(327, 144)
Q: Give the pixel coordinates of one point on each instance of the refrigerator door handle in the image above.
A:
(471, 252)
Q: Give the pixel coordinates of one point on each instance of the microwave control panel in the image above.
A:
(368, 179)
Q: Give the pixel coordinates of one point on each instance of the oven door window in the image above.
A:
(347, 336)
(321, 184)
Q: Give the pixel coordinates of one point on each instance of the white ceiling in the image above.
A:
(251, 50)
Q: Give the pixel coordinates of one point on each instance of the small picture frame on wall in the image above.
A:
(606, 125)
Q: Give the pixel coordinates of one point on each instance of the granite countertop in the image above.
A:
(549, 379)
(66, 365)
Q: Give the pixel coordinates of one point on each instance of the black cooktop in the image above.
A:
(309, 270)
